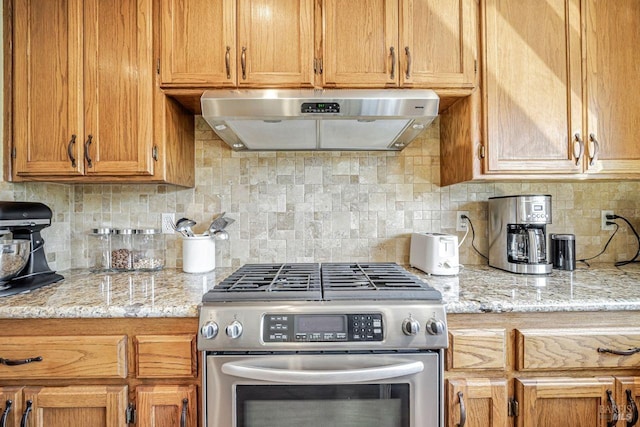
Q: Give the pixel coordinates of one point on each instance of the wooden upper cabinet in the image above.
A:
(613, 82)
(229, 43)
(82, 88)
(198, 43)
(275, 43)
(533, 86)
(438, 43)
(360, 43)
(47, 88)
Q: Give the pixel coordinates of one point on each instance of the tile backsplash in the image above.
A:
(320, 206)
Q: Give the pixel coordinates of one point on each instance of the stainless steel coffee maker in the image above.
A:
(518, 233)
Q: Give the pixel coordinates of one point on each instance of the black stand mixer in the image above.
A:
(25, 220)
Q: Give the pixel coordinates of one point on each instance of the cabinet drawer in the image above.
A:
(64, 357)
(543, 349)
(477, 349)
(166, 356)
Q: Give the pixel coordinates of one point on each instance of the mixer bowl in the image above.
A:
(14, 255)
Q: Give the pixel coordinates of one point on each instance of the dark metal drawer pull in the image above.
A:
(183, 416)
(12, 362)
(70, 151)
(620, 352)
(25, 415)
(5, 414)
(86, 151)
(614, 410)
(631, 407)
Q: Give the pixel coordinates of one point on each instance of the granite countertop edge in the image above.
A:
(475, 290)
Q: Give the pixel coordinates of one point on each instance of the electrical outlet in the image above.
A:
(461, 223)
(603, 220)
(168, 222)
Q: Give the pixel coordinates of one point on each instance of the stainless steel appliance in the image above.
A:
(311, 119)
(518, 233)
(563, 251)
(24, 220)
(335, 344)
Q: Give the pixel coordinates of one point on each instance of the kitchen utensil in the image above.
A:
(184, 225)
(220, 234)
(13, 257)
(218, 223)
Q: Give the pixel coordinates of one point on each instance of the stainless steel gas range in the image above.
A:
(323, 345)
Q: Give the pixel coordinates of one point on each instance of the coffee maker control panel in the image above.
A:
(534, 211)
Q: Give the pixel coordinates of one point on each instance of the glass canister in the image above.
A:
(149, 250)
(122, 246)
(100, 249)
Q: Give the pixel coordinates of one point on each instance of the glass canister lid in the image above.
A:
(102, 231)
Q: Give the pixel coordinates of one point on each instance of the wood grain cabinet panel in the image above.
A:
(559, 349)
(165, 356)
(481, 402)
(64, 357)
(167, 406)
(477, 349)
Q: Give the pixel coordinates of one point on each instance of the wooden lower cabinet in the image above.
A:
(477, 402)
(166, 406)
(65, 406)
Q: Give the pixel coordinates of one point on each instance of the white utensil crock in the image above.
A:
(198, 254)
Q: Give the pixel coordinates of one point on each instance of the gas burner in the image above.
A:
(316, 282)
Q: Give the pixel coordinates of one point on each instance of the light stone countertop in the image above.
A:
(477, 289)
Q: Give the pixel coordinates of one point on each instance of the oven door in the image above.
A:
(324, 390)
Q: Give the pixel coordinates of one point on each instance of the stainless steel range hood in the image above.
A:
(309, 119)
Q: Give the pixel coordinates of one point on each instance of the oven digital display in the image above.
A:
(320, 323)
(322, 327)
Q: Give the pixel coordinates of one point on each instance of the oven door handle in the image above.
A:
(292, 376)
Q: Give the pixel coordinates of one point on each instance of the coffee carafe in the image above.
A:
(518, 235)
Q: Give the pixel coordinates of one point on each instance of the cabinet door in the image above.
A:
(118, 87)
(46, 88)
(438, 43)
(627, 398)
(613, 82)
(76, 406)
(480, 402)
(567, 402)
(533, 86)
(166, 406)
(198, 43)
(275, 43)
(360, 43)
(11, 406)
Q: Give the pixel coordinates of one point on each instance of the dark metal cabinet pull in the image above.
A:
(580, 151)
(632, 408)
(5, 414)
(614, 410)
(619, 352)
(596, 149)
(86, 151)
(243, 63)
(25, 415)
(15, 362)
(70, 151)
(183, 416)
(393, 63)
(408, 53)
(463, 410)
(227, 61)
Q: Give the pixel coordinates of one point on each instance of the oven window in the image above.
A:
(342, 405)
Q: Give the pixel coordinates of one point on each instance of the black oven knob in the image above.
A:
(435, 326)
(209, 330)
(234, 329)
(410, 326)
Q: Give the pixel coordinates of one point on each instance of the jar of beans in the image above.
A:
(149, 250)
(122, 249)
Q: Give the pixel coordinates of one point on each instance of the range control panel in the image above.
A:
(322, 327)
(320, 107)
